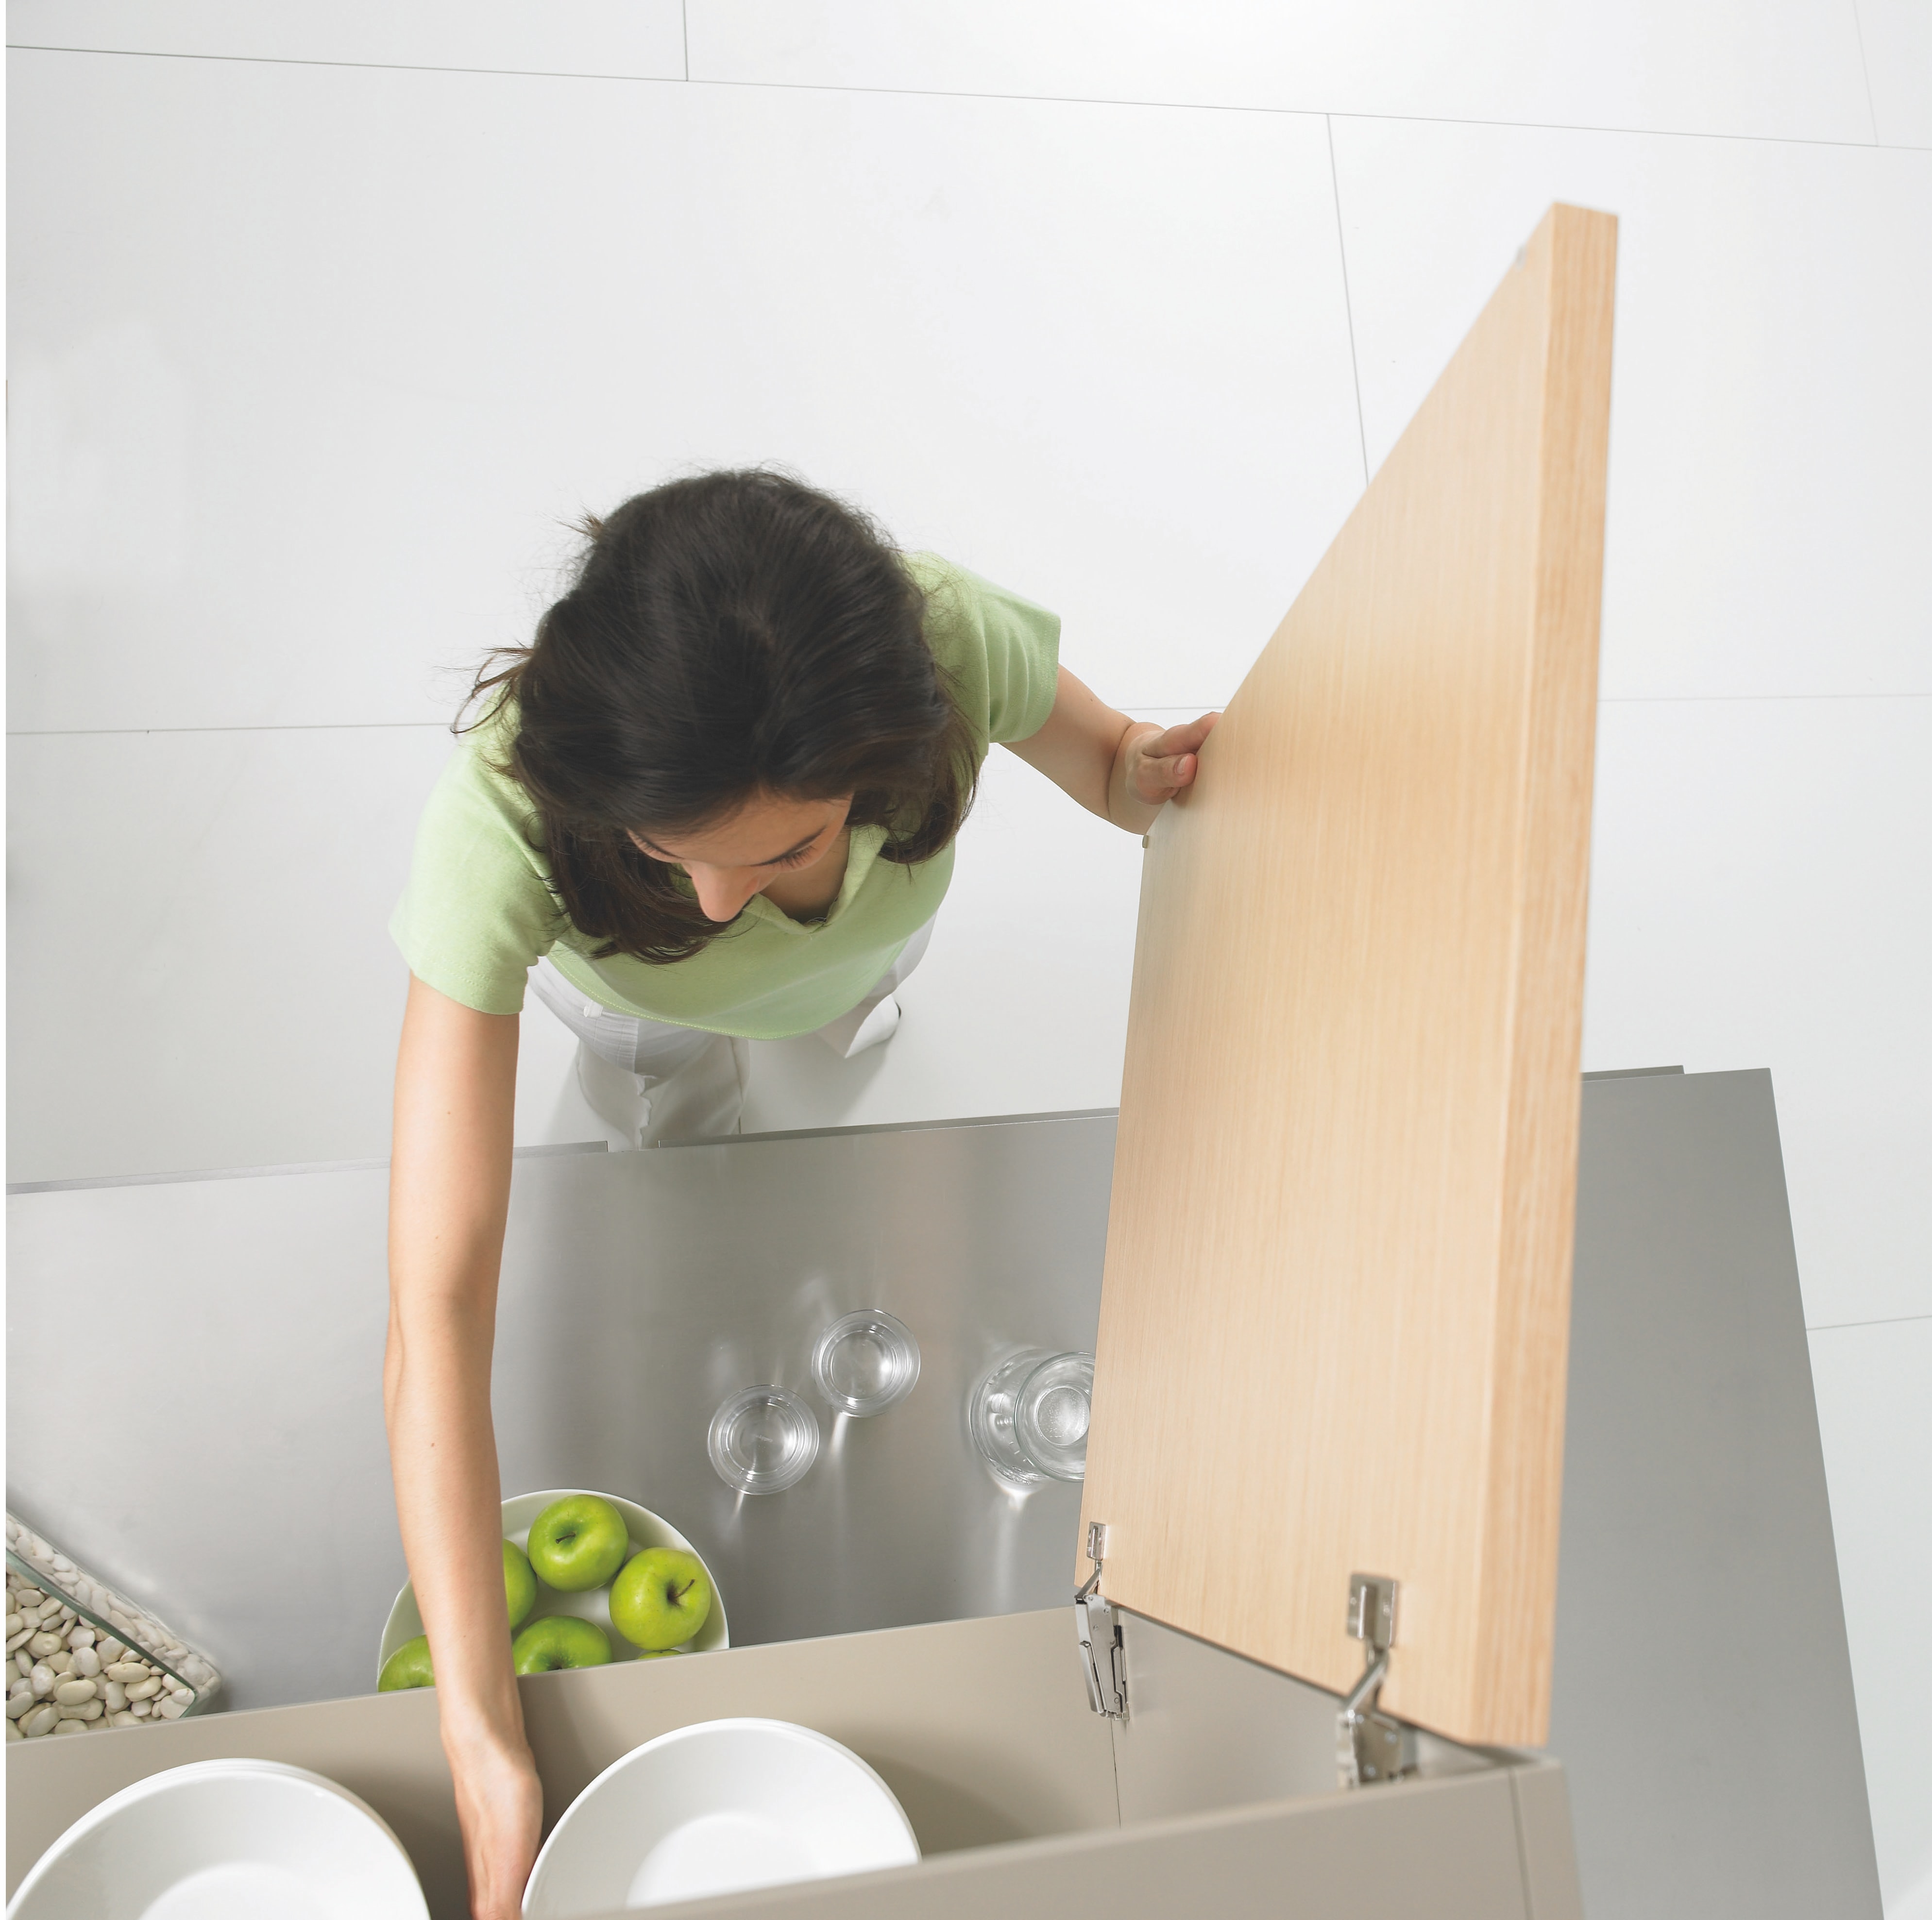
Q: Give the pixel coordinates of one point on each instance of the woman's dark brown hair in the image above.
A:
(728, 635)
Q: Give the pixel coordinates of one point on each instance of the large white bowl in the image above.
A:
(519, 1514)
(225, 1840)
(716, 1808)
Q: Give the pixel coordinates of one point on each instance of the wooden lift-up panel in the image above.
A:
(1333, 1321)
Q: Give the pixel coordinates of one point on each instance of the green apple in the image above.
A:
(560, 1639)
(577, 1542)
(660, 1599)
(407, 1666)
(520, 1584)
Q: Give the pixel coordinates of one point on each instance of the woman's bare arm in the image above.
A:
(1124, 770)
(449, 1189)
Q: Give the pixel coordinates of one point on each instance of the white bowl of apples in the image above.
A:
(668, 1603)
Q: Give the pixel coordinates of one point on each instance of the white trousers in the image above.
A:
(654, 1082)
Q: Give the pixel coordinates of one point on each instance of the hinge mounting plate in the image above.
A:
(1368, 1743)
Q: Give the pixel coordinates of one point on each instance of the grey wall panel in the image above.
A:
(1703, 1707)
(195, 1377)
(638, 1292)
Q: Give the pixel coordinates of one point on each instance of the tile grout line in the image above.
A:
(1852, 1326)
(968, 93)
(1864, 67)
(1348, 305)
(248, 727)
(1697, 699)
(1143, 706)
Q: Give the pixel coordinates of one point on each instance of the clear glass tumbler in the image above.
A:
(763, 1440)
(865, 1362)
(1029, 1414)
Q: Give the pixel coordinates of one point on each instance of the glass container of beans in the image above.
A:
(83, 1658)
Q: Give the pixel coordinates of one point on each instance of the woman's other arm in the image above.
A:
(1124, 770)
(449, 1189)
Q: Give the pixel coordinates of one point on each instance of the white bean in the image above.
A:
(115, 1694)
(172, 1708)
(83, 1636)
(62, 1662)
(28, 1596)
(144, 1689)
(23, 1662)
(127, 1669)
(18, 1704)
(71, 1693)
(13, 1731)
(111, 1651)
(87, 1661)
(44, 1719)
(13, 1623)
(44, 1678)
(44, 1644)
(71, 1727)
(140, 1709)
(15, 1641)
(122, 1720)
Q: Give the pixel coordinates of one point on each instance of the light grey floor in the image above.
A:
(321, 333)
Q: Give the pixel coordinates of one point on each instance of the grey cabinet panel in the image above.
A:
(1703, 1705)
(1440, 1850)
(1543, 1830)
(982, 1728)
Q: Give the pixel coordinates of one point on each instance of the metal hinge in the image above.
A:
(1102, 1651)
(1368, 1744)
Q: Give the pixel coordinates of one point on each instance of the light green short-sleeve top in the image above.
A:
(479, 913)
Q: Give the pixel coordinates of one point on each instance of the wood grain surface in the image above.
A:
(1333, 1323)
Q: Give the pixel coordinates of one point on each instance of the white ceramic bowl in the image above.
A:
(715, 1808)
(225, 1840)
(405, 1623)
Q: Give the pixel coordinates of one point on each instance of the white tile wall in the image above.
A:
(198, 974)
(340, 356)
(1772, 398)
(1875, 1417)
(312, 361)
(629, 38)
(1758, 899)
(1790, 68)
(213, 985)
(1898, 39)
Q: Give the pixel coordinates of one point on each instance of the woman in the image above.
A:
(714, 801)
